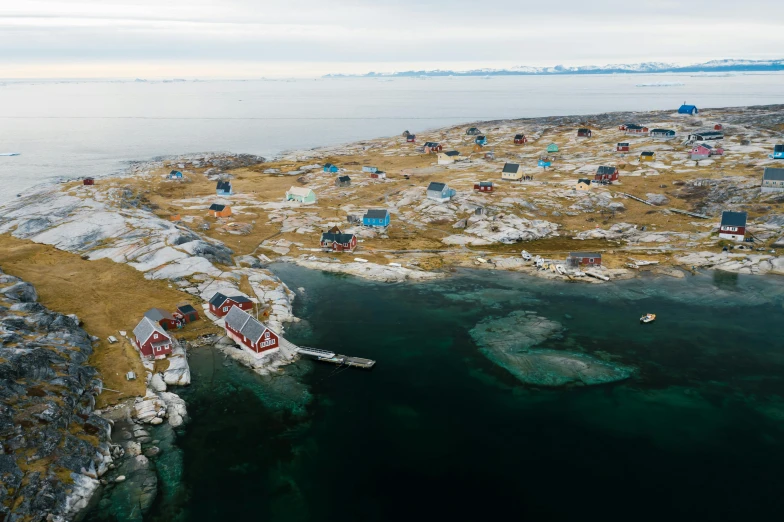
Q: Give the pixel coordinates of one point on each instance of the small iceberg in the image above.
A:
(661, 84)
(9, 153)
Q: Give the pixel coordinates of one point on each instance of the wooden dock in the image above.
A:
(336, 358)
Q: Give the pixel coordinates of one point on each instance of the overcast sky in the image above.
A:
(253, 38)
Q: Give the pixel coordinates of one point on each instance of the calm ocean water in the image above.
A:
(437, 432)
(94, 128)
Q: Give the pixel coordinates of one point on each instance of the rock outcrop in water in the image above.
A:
(53, 447)
(507, 341)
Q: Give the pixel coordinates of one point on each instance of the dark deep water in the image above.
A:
(437, 432)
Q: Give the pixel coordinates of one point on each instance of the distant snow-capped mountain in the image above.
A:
(726, 65)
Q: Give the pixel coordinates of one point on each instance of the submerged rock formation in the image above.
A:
(53, 447)
(507, 341)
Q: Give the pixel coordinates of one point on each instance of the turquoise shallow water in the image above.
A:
(436, 431)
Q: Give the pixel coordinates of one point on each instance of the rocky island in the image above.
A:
(182, 229)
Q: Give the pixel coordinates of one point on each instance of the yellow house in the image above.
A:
(512, 171)
(448, 157)
(648, 156)
(583, 184)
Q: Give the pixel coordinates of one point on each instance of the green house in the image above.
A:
(301, 194)
(552, 147)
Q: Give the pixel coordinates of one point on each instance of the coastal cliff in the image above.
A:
(53, 447)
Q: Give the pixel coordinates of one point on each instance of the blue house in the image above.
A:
(223, 188)
(369, 169)
(376, 217)
(439, 191)
(778, 152)
(481, 140)
(329, 167)
(688, 109)
(175, 174)
(545, 163)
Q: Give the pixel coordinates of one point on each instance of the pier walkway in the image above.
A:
(332, 357)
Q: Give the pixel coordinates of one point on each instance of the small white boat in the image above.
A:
(360, 260)
(9, 153)
(526, 255)
(647, 318)
(560, 269)
(539, 262)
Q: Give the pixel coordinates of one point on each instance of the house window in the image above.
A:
(225, 308)
(155, 336)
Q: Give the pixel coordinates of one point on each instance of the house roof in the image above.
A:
(158, 314)
(623, 143)
(584, 254)
(436, 186)
(606, 170)
(704, 146)
(485, 183)
(633, 126)
(343, 178)
(186, 309)
(330, 237)
(217, 208)
(472, 129)
(685, 106)
(660, 131)
(223, 185)
(733, 219)
(519, 136)
(583, 129)
(511, 168)
(431, 144)
(377, 213)
(217, 299)
(452, 153)
(778, 148)
(146, 328)
(245, 324)
(175, 172)
(328, 165)
(585, 181)
(300, 191)
(240, 299)
(647, 153)
(773, 173)
(709, 133)
(481, 137)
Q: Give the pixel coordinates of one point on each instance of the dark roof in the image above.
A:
(217, 299)
(633, 126)
(223, 185)
(733, 219)
(583, 130)
(706, 145)
(452, 153)
(773, 173)
(481, 137)
(431, 144)
(240, 299)
(175, 172)
(778, 148)
(519, 136)
(376, 213)
(584, 254)
(606, 170)
(511, 168)
(186, 309)
(485, 183)
(245, 324)
(344, 178)
(709, 133)
(583, 180)
(659, 131)
(330, 237)
(217, 208)
(647, 153)
(472, 129)
(158, 314)
(623, 143)
(436, 186)
(327, 165)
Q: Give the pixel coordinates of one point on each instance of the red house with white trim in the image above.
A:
(220, 304)
(622, 146)
(733, 225)
(249, 333)
(633, 128)
(606, 174)
(337, 241)
(576, 259)
(483, 186)
(151, 340)
(520, 139)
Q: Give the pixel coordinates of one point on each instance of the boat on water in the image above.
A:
(9, 153)
(526, 255)
(647, 318)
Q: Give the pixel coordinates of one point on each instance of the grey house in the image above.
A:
(343, 181)
(439, 191)
(773, 179)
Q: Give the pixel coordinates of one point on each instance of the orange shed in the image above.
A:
(220, 210)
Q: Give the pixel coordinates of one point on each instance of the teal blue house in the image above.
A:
(481, 140)
(175, 174)
(688, 109)
(545, 163)
(778, 152)
(376, 217)
(329, 167)
(223, 188)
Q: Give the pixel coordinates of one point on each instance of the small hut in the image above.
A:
(552, 147)
(88, 181)
(584, 133)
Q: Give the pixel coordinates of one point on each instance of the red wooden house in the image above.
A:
(622, 146)
(583, 133)
(411, 138)
(733, 225)
(484, 186)
(249, 333)
(337, 241)
(520, 139)
(151, 340)
(187, 313)
(432, 147)
(88, 181)
(606, 174)
(378, 175)
(633, 128)
(220, 305)
(162, 318)
(576, 259)
(718, 126)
